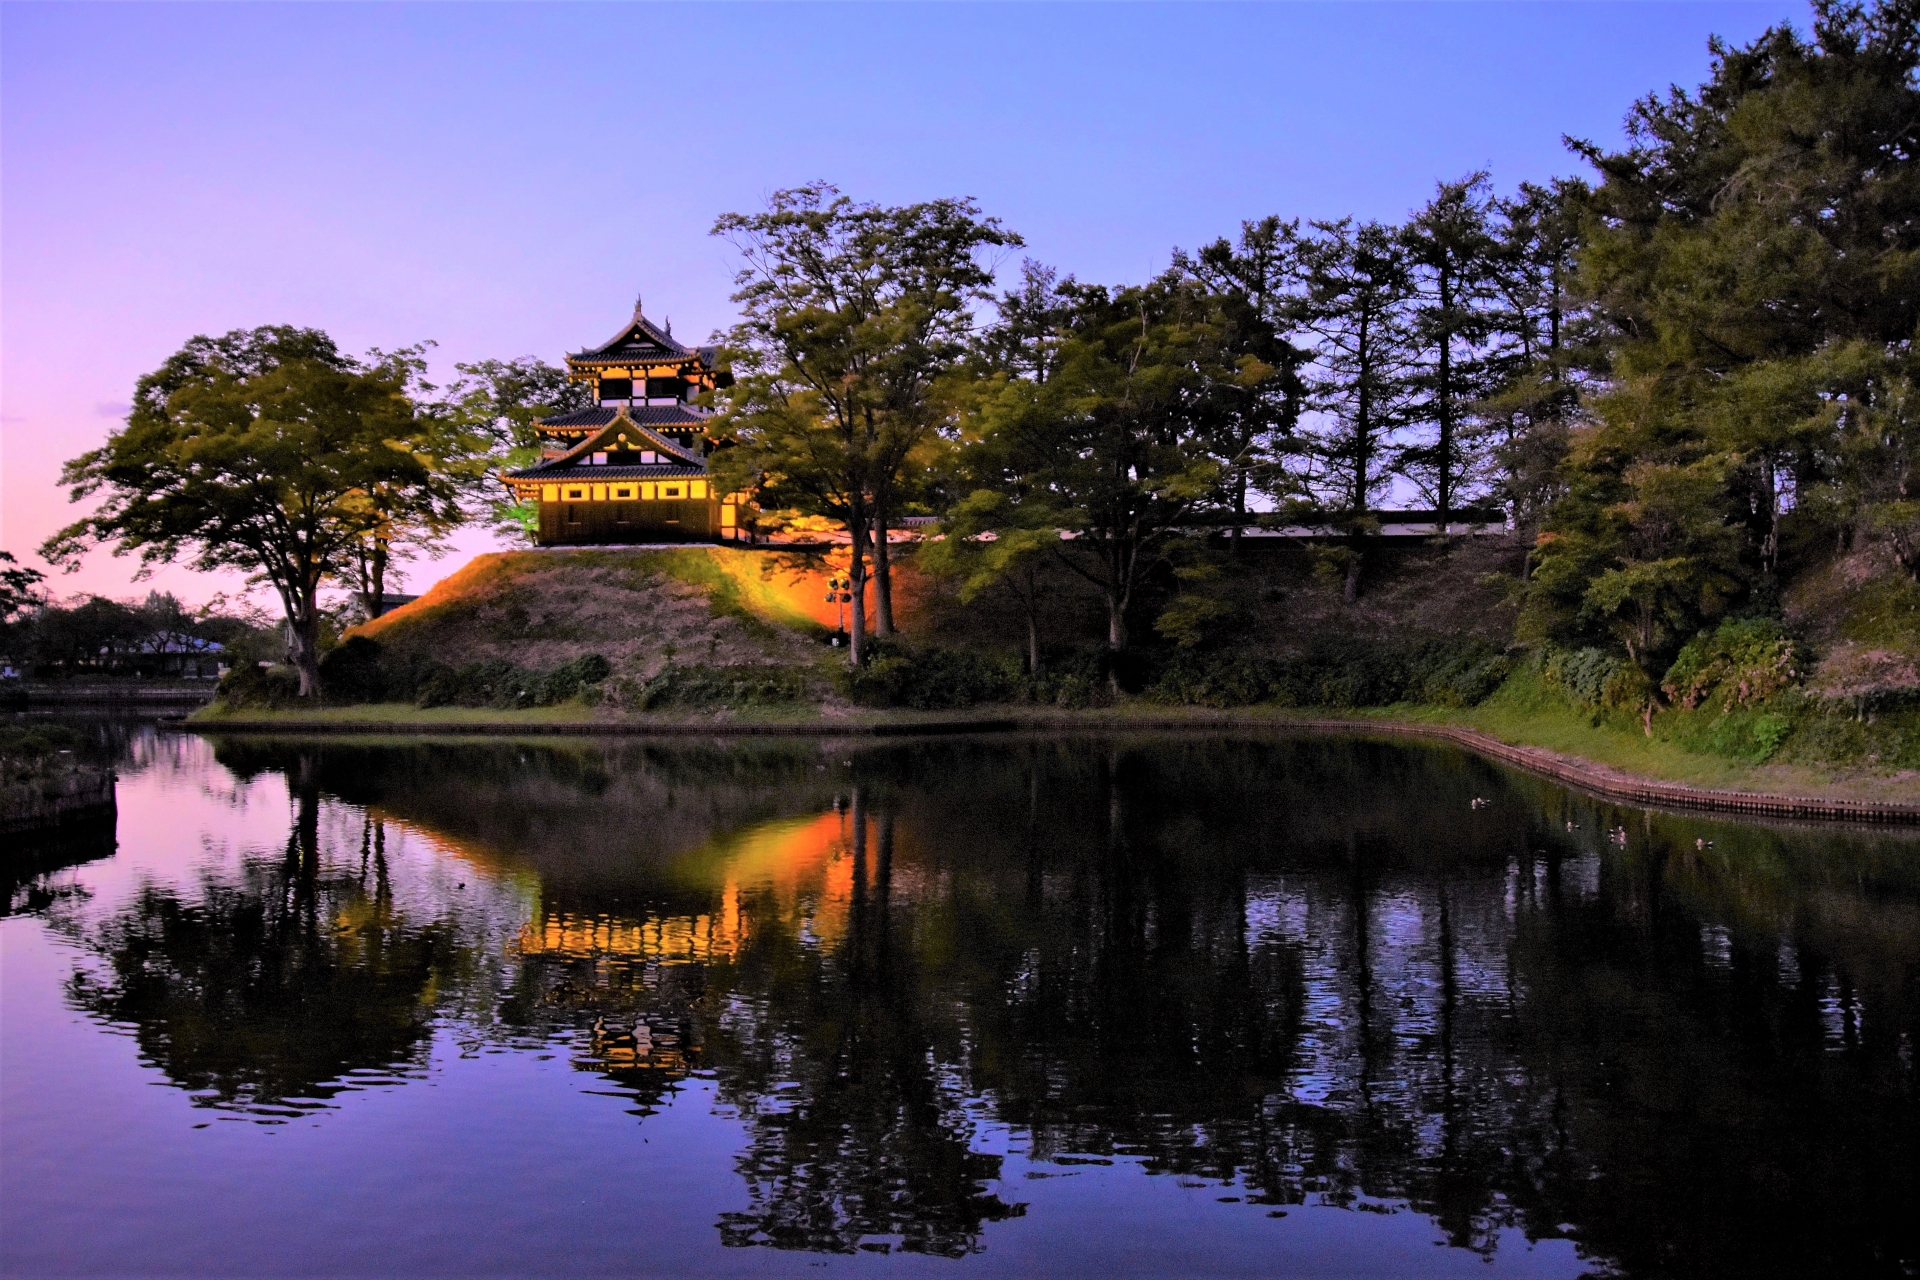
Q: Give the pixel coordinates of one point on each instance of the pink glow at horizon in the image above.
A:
(503, 179)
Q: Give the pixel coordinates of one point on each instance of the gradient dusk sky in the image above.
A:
(503, 179)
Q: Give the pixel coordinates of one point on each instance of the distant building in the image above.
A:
(632, 468)
(168, 653)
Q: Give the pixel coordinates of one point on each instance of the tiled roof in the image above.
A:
(633, 355)
(598, 415)
(577, 462)
(645, 415)
(570, 471)
(640, 339)
(663, 415)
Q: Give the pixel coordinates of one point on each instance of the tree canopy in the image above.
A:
(851, 314)
(265, 451)
(1752, 261)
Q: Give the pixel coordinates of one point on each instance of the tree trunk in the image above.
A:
(303, 646)
(1352, 592)
(1771, 474)
(373, 597)
(1239, 516)
(1033, 640)
(1443, 401)
(857, 579)
(882, 577)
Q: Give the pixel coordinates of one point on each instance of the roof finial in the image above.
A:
(637, 309)
(669, 326)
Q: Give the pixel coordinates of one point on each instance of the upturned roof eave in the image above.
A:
(644, 471)
(603, 354)
(618, 424)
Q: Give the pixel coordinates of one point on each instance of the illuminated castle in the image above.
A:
(633, 467)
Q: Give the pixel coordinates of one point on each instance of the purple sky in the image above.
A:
(503, 179)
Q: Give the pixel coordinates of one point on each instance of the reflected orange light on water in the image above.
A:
(802, 869)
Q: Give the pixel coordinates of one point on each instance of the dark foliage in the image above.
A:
(27, 751)
(252, 685)
(733, 686)
(932, 679)
(1343, 674)
(360, 671)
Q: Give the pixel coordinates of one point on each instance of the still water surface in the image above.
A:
(1142, 1005)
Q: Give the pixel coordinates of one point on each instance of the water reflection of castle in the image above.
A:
(1317, 974)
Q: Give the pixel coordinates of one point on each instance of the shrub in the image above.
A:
(251, 685)
(932, 679)
(1583, 676)
(352, 672)
(1344, 673)
(568, 680)
(500, 684)
(1217, 680)
(31, 751)
(1074, 681)
(1769, 731)
(1746, 660)
(1457, 673)
(697, 686)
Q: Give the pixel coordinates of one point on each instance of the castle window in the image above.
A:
(616, 389)
(625, 491)
(576, 493)
(670, 491)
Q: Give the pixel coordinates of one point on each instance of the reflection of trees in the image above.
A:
(277, 986)
(1308, 968)
(1275, 967)
(598, 822)
(1721, 1090)
(861, 1138)
(28, 885)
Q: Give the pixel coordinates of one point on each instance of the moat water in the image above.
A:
(1259, 1006)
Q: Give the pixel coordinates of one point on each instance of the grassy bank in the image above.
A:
(1824, 702)
(1522, 722)
(1518, 715)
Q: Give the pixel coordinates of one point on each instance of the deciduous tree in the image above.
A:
(498, 401)
(852, 314)
(254, 451)
(1117, 444)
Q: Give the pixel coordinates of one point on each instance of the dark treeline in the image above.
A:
(1678, 381)
(154, 637)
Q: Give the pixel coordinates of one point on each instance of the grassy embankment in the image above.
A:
(720, 637)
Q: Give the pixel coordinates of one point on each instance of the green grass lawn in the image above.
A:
(1523, 715)
(1519, 713)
